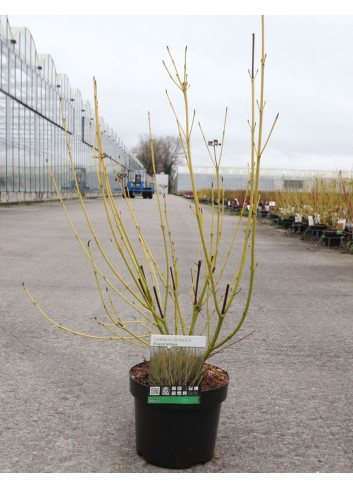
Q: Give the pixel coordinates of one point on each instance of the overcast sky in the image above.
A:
(309, 78)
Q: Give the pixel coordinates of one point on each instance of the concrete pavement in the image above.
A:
(65, 403)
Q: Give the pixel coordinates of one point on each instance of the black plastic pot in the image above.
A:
(177, 436)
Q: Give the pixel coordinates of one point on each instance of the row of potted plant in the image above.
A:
(322, 208)
(330, 200)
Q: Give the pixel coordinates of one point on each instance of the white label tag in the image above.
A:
(178, 340)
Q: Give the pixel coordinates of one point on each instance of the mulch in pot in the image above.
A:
(212, 377)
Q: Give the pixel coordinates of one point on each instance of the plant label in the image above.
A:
(175, 369)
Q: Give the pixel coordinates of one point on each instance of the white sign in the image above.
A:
(178, 340)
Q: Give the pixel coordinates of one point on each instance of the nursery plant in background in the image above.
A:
(327, 200)
(180, 341)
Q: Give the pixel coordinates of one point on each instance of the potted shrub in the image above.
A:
(153, 291)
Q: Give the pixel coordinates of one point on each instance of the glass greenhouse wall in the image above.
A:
(31, 126)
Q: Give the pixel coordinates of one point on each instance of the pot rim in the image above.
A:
(207, 397)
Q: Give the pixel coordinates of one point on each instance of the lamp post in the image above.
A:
(214, 143)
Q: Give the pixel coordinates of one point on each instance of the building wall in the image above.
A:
(237, 178)
(162, 183)
(32, 129)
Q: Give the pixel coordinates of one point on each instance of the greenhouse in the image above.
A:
(32, 129)
(237, 178)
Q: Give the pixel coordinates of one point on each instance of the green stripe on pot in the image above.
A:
(173, 400)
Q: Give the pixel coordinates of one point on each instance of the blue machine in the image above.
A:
(139, 183)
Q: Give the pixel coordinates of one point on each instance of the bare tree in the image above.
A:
(167, 153)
